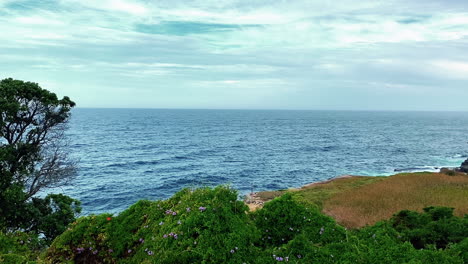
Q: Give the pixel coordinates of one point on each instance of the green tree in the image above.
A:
(33, 156)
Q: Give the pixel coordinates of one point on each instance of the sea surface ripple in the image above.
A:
(130, 154)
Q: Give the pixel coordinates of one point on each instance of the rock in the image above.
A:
(464, 166)
(447, 170)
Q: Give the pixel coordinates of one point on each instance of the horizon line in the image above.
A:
(273, 109)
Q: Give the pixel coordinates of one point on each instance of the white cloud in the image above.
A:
(450, 69)
(35, 20)
(122, 6)
(270, 47)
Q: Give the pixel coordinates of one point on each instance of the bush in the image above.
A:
(19, 247)
(212, 226)
(436, 226)
(203, 225)
(280, 220)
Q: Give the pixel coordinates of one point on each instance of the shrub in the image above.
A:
(436, 226)
(19, 247)
(203, 225)
(211, 226)
(280, 220)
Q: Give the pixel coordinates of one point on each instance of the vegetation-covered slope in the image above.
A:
(212, 226)
(358, 201)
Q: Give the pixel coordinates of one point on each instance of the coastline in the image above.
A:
(256, 200)
(356, 201)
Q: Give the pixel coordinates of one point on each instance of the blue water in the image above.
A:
(131, 154)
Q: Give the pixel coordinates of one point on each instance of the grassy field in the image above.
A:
(358, 201)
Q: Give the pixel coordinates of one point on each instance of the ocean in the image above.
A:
(130, 154)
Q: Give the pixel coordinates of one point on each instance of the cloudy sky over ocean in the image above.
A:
(257, 54)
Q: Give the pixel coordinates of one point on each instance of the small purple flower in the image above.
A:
(299, 256)
(150, 253)
(188, 209)
(174, 213)
(90, 248)
(232, 251)
(95, 252)
(201, 208)
(161, 223)
(165, 236)
(110, 250)
(141, 240)
(279, 258)
(129, 251)
(175, 236)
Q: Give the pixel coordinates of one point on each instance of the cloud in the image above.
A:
(450, 69)
(268, 50)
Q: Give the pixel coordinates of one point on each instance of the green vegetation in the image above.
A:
(211, 226)
(358, 201)
(33, 157)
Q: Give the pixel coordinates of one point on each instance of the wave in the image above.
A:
(318, 149)
(417, 169)
(132, 163)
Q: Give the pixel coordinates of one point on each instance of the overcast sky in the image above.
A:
(252, 54)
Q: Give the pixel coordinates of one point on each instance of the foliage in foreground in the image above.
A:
(33, 157)
(212, 226)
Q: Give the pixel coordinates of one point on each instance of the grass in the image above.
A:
(379, 200)
(358, 201)
(317, 193)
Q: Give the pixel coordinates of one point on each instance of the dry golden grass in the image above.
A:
(318, 193)
(315, 193)
(369, 203)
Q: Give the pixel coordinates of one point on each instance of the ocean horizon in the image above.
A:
(128, 154)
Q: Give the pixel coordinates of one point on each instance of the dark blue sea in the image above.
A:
(131, 154)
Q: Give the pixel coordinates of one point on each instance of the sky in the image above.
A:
(251, 54)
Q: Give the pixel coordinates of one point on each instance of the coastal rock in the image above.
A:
(464, 166)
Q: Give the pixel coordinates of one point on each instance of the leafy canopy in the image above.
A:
(33, 157)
